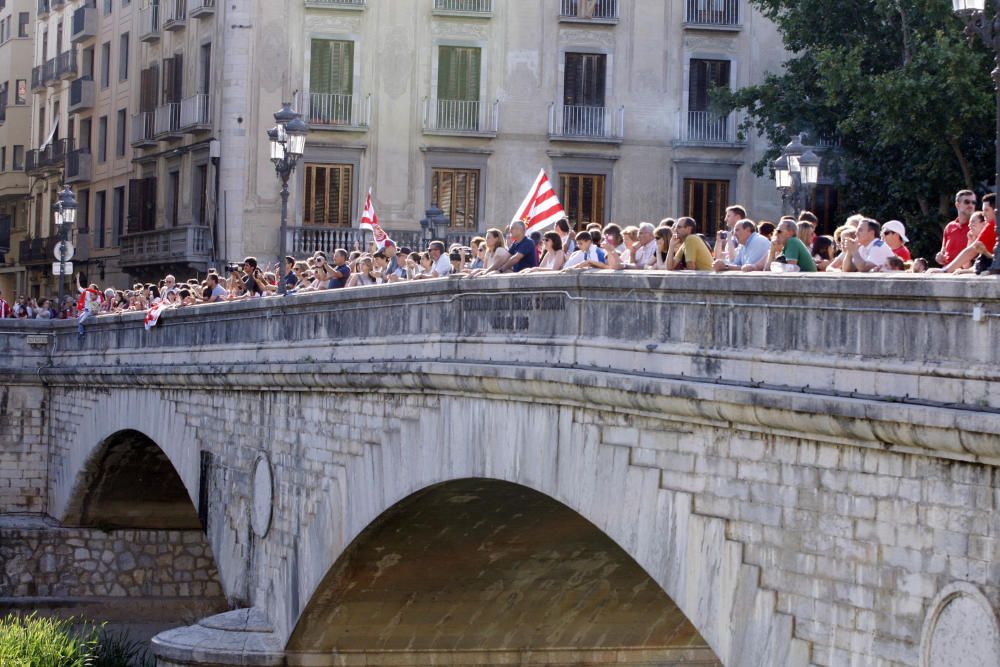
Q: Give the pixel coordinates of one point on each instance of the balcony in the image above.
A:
(708, 129)
(33, 252)
(712, 15)
(38, 79)
(330, 111)
(49, 75)
(586, 123)
(78, 166)
(144, 129)
(461, 118)
(149, 24)
(199, 8)
(471, 8)
(66, 65)
(82, 94)
(84, 24)
(355, 5)
(43, 8)
(167, 124)
(588, 11)
(303, 241)
(194, 113)
(178, 245)
(174, 14)
(54, 155)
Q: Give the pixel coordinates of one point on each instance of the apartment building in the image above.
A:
(81, 85)
(16, 21)
(460, 102)
(156, 112)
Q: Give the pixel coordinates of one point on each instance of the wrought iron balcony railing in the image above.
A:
(586, 123)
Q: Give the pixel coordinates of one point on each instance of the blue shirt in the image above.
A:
(529, 258)
(753, 251)
(345, 271)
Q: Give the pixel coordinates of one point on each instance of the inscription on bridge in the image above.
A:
(512, 312)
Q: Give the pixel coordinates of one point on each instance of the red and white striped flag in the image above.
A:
(370, 221)
(541, 208)
(153, 314)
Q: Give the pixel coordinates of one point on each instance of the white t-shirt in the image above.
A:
(442, 266)
(876, 252)
(644, 255)
(579, 257)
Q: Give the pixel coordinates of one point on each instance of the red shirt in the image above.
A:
(988, 237)
(956, 239)
(4, 310)
(903, 252)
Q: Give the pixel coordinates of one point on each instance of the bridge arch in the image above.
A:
(475, 571)
(560, 452)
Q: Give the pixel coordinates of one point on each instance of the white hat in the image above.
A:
(896, 226)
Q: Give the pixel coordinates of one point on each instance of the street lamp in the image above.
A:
(288, 144)
(988, 30)
(795, 172)
(65, 215)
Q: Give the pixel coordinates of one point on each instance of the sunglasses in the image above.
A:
(966, 202)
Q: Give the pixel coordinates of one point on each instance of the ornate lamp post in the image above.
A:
(987, 28)
(795, 172)
(288, 143)
(65, 214)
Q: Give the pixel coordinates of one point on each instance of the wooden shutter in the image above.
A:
(149, 204)
(584, 79)
(320, 76)
(135, 192)
(168, 80)
(178, 81)
(705, 75)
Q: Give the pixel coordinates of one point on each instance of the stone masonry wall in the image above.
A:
(41, 559)
(23, 449)
(854, 542)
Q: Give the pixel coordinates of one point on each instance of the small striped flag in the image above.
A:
(370, 221)
(541, 208)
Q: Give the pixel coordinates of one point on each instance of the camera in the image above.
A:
(230, 268)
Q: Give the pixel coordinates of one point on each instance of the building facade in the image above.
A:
(16, 38)
(156, 112)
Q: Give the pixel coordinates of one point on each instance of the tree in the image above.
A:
(899, 86)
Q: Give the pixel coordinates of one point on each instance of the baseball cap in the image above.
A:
(896, 226)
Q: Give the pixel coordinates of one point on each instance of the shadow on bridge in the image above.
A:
(486, 572)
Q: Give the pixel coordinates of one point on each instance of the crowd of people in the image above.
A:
(792, 245)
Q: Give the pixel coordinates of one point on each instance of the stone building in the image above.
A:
(158, 111)
(16, 17)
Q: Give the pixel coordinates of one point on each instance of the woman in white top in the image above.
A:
(496, 254)
(553, 257)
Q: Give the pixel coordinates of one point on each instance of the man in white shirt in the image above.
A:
(440, 262)
(644, 253)
(868, 252)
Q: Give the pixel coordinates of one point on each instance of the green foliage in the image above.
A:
(43, 642)
(33, 641)
(899, 85)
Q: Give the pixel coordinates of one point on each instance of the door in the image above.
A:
(584, 94)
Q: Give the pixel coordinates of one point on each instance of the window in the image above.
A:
(86, 130)
(102, 139)
(123, 58)
(174, 197)
(18, 157)
(705, 201)
(119, 216)
(21, 92)
(173, 79)
(328, 194)
(108, 6)
(105, 64)
(120, 133)
(456, 192)
(149, 89)
(331, 82)
(3, 158)
(704, 76)
(83, 211)
(200, 190)
(583, 198)
(583, 94)
(22, 24)
(100, 215)
(205, 69)
(458, 88)
(824, 201)
(141, 205)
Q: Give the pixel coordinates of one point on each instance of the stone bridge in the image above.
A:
(586, 469)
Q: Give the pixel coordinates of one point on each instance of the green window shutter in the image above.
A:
(459, 73)
(331, 68)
